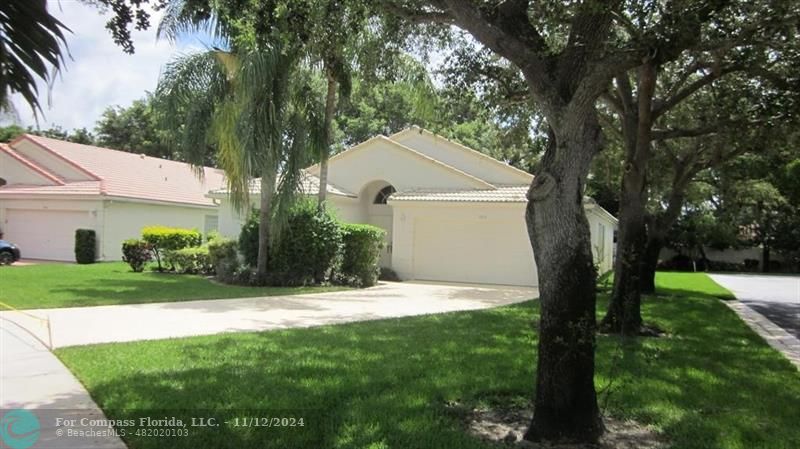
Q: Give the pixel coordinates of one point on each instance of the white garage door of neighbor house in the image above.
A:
(476, 251)
(45, 234)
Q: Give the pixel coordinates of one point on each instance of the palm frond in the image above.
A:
(30, 48)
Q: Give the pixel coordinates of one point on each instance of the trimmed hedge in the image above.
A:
(136, 253)
(361, 254)
(164, 238)
(192, 260)
(85, 246)
(308, 250)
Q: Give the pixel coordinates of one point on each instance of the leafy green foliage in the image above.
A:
(85, 246)
(309, 249)
(135, 129)
(192, 260)
(30, 49)
(136, 253)
(362, 251)
(224, 258)
(248, 238)
(411, 382)
(165, 238)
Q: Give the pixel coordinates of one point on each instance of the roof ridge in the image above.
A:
(31, 164)
(411, 150)
(461, 147)
(35, 140)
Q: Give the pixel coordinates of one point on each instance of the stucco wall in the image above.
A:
(448, 152)
(497, 232)
(602, 245)
(125, 220)
(53, 163)
(14, 172)
(45, 228)
(380, 160)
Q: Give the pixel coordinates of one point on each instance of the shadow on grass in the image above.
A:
(712, 384)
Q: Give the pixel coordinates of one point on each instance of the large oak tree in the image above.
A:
(568, 54)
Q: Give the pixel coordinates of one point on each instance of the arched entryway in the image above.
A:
(373, 201)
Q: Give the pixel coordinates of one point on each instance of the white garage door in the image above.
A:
(45, 234)
(477, 251)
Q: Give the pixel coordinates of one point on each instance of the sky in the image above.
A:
(99, 74)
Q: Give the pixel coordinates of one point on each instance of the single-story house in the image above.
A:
(49, 188)
(450, 213)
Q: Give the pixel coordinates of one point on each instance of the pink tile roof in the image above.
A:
(504, 194)
(127, 175)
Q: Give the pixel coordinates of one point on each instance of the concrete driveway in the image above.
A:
(775, 297)
(89, 325)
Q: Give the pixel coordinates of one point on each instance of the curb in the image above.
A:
(778, 338)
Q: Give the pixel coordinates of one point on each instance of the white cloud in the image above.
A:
(99, 74)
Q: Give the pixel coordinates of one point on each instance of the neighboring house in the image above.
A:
(49, 188)
(450, 212)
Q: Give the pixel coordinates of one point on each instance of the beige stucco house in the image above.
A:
(49, 188)
(451, 213)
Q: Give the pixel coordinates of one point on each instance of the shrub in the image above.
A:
(223, 259)
(137, 253)
(164, 238)
(361, 254)
(192, 260)
(85, 246)
(248, 239)
(309, 248)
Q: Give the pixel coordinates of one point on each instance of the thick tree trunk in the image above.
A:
(330, 109)
(649, 264)
(624, 314)
(265, 222)
(765, 257)
(566, 403)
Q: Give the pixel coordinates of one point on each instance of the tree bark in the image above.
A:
(566, 402)
(765, 258)
(330, 109)
(649, 264)
(624, 315)
(265, 222)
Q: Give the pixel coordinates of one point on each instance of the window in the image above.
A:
(384, 195)
(601, 237)
(211, 223)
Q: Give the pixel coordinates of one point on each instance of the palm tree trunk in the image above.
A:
(330, 108)
(264, 223)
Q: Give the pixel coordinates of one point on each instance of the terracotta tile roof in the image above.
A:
(505, 194)
(130, 175)
(309, 186)
(71, 188)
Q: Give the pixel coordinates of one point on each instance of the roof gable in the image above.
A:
(381, 158)
(16, 169)
(461, 157)
(118, 173)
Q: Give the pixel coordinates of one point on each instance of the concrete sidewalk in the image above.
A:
(103, 324)
(32, 378)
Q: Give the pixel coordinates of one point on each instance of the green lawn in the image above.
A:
(70, 285)
(385, 384)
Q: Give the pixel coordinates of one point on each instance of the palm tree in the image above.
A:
(30, 47)
(259, 110)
